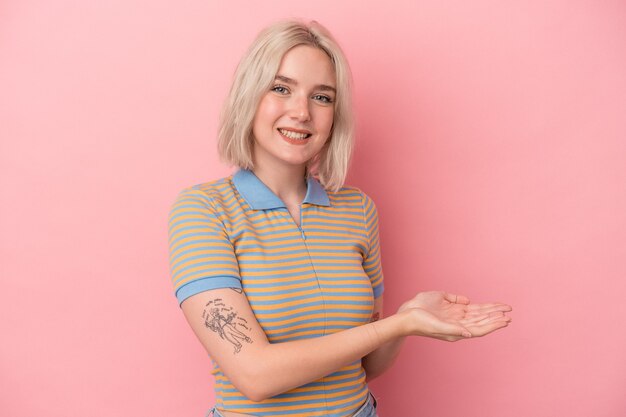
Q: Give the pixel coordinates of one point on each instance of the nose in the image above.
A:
(300, 109)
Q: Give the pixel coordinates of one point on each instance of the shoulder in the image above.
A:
(349, 194)
(205, 199)
(213, 192)
(211, 188)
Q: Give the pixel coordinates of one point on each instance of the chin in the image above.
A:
(296, 159)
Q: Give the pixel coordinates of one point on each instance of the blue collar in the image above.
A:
(260, 197)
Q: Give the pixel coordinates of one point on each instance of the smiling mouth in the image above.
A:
(294, 135)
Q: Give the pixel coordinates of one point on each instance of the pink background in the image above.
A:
(491, 135)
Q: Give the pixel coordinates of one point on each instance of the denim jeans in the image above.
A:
(366, 410)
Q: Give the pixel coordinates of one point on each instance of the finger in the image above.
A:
(493, 318)
(477, 317)
(485, 308)
(478, 331)
(456, 299)
(477, 306)
(473, 320)
(485, 319)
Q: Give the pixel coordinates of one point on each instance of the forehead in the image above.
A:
(307, 64)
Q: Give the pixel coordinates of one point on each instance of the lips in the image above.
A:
(294, 134)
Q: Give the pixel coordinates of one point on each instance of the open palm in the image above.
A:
(452, 317)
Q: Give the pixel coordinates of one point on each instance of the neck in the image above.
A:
(286, 181)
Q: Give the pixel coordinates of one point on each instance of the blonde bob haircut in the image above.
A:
(253, 79)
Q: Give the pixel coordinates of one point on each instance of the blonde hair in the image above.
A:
(254, 77)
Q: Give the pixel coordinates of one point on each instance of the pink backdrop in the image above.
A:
(491, 135)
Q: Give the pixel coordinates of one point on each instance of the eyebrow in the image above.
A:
(322, 87)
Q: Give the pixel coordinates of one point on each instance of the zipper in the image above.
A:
(300, 227)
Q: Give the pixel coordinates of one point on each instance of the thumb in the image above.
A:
(456, 299)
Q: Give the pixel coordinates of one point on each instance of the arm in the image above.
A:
(261, 370)
(378, 361)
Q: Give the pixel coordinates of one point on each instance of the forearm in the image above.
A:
(282, 366)
(378, 361)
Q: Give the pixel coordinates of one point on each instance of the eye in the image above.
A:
(323, 98)
(280, 89)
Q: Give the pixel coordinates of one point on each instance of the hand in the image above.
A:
(444, 316)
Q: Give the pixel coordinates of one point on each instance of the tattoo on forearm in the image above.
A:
(223, 320)
(375, 317)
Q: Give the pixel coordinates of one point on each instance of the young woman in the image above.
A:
(277, 267)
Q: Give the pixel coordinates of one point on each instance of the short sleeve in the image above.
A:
(201, 255)
(372, 262)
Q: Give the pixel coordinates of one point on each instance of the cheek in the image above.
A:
(267, 112)
(327, 121)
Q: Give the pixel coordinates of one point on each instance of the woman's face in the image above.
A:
(295, 117)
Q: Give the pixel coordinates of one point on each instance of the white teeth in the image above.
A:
(294, 135)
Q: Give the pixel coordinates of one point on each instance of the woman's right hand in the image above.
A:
(450, 317)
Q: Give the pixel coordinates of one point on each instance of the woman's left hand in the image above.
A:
(478, 319)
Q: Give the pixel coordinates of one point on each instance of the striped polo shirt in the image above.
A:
(301, 281)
